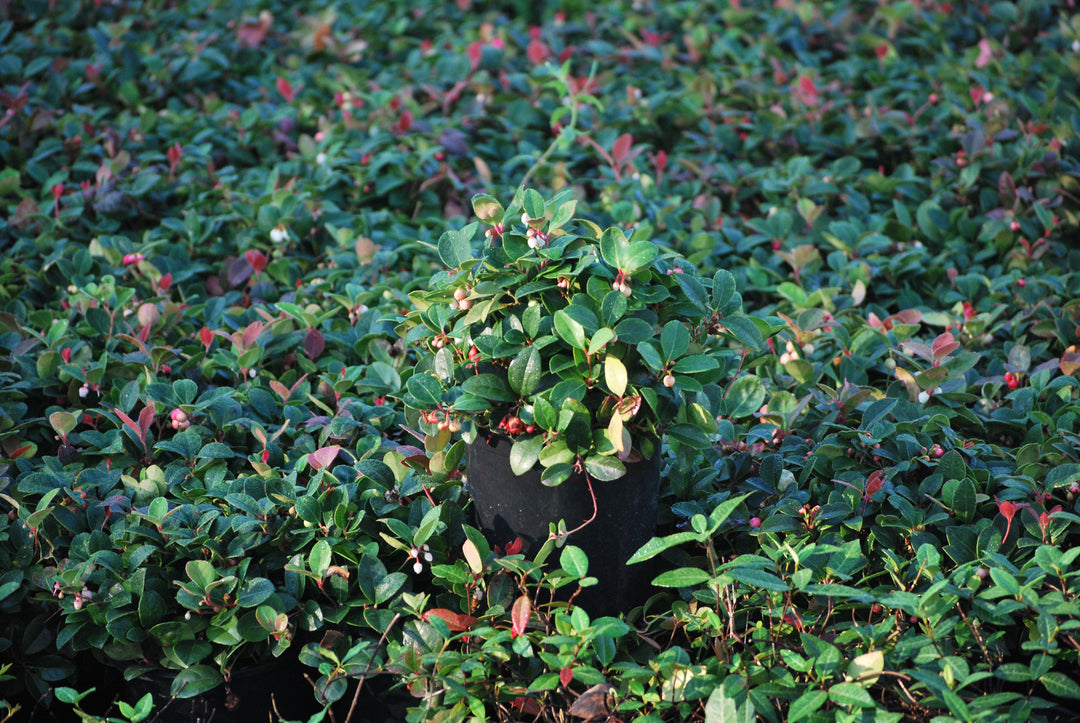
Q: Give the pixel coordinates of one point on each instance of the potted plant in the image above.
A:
(570, 353)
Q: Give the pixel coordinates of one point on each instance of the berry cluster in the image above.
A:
(461, 299)
(442, 420)
(1012, 380)
(512, 424)
(179, 419)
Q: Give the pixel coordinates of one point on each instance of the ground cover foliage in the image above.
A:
(212, 222)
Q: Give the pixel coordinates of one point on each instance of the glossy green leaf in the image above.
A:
(682, 577)
(573, 560)
(489, 386)
(525, 452)
(524, 371)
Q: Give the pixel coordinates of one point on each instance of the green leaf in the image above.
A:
(745, 396)
(487, 208)
(723, 289)
(758, 578)
(570, 330)
(806, 704)
(201, 572)
(605, 469)
(319, 558)
(1060, 685)
(638, 256)
(429, 524)
(545, 414)
(533, 203)
(1005, 580)
(574, 561)
(633, 330)
(656, 545)
(195, 680)
(682, 577)
(744, 331)
(695, 364)
(254, 592)
(869, 665)
(525, 452)
(932, 220)
(690, 435)
(720, 708)
(455, 247)
(674, 340)
(693, 289)
(524, 371)
(876, 412)
(63, 422)
(389, 586)
(185, 390)
(850, 695)
(600, 339)
(556, 474)
(613, 247)
(615, 376)
(425, 390)
(489, 386)
(612, 308)
(964, 500)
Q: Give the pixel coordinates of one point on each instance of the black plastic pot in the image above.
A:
(510, 506)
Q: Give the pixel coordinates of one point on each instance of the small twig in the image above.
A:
(594, 509)
(367, 668)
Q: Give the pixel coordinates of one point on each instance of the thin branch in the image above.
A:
(367, 668)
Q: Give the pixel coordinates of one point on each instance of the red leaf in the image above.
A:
(537, 52)
(314, 343)
(256, 258)
(129, 422)
(206, 337)
(566, 675)
(519, 616)
(515, 547)
(526, 705)
(874, 482)
(65, 354)
(146, 418)
(285, 88)
(251, 333)
(807, 92)
(322, 457)
(621, 148)
(944, 345)
(455, 621)
(475, 51)
(165, 282)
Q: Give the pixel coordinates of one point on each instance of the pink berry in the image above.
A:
(755, 522)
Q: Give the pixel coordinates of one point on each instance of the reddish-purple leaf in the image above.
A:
(322, 457)
(621, 148)
(566, 675)
(314, 343)
(251, 333)
(146, 418)
(256, 258)
(239, 272)
(519, 616)
(129, 422)
(455, 621)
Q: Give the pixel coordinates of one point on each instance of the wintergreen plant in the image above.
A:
(584, 345)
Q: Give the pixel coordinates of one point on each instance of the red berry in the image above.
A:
(755, 522)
